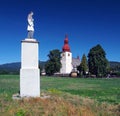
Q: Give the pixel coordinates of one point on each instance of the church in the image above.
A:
(69, 64)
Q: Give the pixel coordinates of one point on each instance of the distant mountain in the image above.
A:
(114, 64)
(14, 68)
(10, 68)
(42, 64)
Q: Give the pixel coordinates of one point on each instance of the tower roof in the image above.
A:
(66, 47)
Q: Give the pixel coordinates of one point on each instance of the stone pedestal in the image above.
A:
(29, 72)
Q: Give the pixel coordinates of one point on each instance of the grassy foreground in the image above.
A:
(68, 97)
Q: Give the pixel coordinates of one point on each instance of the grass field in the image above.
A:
(69, 96)
(107, 90)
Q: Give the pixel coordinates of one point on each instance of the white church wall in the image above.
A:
(66, 62)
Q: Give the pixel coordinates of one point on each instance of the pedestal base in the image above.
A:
(30, 83)
(29, 72)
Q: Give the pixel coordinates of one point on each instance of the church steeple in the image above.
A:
(66, 47)
(66, 58)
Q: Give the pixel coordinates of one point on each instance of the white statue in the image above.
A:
(30, 27)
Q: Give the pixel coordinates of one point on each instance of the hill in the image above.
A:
(114, 63)
(115, 66)
(14, 68)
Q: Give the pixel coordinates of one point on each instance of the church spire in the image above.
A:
(66, 47)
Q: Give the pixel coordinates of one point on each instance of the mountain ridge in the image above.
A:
(14, 67)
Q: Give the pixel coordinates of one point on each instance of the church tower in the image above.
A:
(66, 58)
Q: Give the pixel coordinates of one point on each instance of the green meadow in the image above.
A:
(103, 90)
(68, 96)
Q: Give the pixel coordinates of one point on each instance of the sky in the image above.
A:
(87, 23)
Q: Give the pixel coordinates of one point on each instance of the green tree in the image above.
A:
(97, 61)
(83, 67)
(53, 65)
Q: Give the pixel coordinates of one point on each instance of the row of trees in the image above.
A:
(97, 64)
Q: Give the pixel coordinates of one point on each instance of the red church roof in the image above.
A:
(66, 47)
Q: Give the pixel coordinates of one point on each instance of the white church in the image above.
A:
(69, 64)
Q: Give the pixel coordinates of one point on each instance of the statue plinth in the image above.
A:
(29, 72)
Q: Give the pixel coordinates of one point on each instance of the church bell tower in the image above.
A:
(66, 58)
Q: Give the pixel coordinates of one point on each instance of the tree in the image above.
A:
(83, 67)
(97, 61)
(53, 65)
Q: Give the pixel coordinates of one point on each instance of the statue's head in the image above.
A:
(31, 13)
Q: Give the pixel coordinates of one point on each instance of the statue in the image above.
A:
(30, 27)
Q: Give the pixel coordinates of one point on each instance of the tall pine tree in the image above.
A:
(83, 67)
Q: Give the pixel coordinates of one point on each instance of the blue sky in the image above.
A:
(87, 23)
